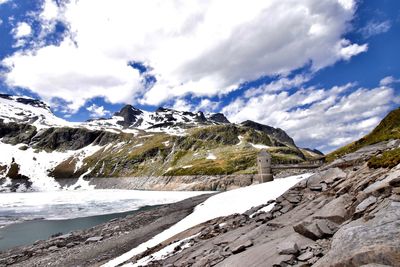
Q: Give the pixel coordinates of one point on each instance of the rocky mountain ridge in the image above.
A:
(131, 143)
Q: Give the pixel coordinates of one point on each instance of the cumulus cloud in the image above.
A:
(197, 47)
(375, 28)
(348, 50)
(280, 84)
(23, 29)
(74, 75)
(321, 118)
(388, 80)
(3, 1)
(97, 111)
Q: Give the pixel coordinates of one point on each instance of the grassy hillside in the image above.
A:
(210, 150)
(388, 128)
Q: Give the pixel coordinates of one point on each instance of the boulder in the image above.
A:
(327, 228)
(284, 260)
(288, 248)
(305, 256)
(308, 229)
(335, 210)
(316, 229)
(242, 247)
(94, 239)
(384, 182)
(329, 176)
(365, 204)
(363, 242)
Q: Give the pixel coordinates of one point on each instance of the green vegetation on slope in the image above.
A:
(228, 160)
(388, 128)
(387, 159)
(210, 150)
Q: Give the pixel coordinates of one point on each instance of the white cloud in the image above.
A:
(375, 28)
(182, 105)
(208, 105)
(22, 30)
(3, 1)
(200, 47)
(49, 16)
(75, 75)
(321, 118)
(388, 80)
(97, 111)
(280, 84)
(347, 50)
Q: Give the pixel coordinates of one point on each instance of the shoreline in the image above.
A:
(97, 245)
(26, 232)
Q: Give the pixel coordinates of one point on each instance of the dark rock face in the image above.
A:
(278, 133)
(219, 118)
(129, 113)
(14, 133)
(316, 151)
(17, 179)
(200, 117)
(71, 138)
(27, 101)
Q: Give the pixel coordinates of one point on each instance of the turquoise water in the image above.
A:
(26, 233)
(31, 216)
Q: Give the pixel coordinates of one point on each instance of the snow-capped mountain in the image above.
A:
(29, 111)
(37, 146)
(129, 119)
(162, 120)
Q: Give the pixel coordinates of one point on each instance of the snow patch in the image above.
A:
(164, 253)
(60, 205)
(211, 156)
(138, 145)
(40, 117)
(240, 140)
(36, 165)
(260, 146)
(166, 143)
(187, 166)
(223, 204)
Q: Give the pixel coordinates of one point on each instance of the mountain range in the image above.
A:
(133, 142)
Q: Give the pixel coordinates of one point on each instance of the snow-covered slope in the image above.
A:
(162, 120)
(222, 204)
(36, 145)
(22, 109)
(36, 165)
(28, 110)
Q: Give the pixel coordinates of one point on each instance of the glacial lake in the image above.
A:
(27, 217)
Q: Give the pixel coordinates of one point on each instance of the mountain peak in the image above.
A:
(219, 118)
(26, 100)
(130, 115)
(278, 133)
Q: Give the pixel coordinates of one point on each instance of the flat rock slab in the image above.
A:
(288, 248)
(367, 242)
(365, 204)
(94, 239)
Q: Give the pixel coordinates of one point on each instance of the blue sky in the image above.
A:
(326, 72)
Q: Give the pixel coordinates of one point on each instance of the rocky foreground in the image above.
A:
(96, 245)
(345, 215)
